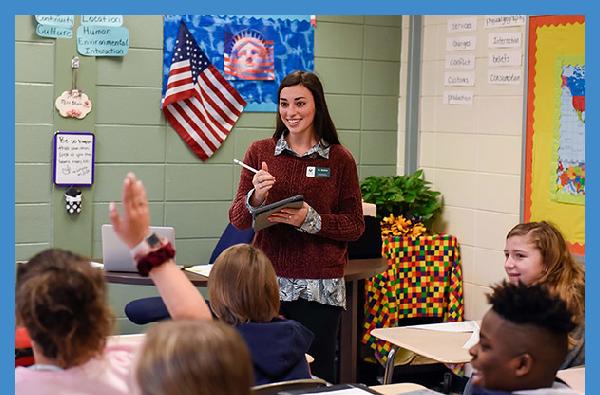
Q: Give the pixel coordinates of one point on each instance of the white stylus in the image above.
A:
(245, 166)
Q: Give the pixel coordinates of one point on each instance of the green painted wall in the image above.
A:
(357, 58)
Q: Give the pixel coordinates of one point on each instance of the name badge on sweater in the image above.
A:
(312, 171)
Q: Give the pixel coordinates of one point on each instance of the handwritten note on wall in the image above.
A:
(74, 158)
(55, 26)
(102, 40)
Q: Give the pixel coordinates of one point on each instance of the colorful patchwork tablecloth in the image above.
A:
(423, 279)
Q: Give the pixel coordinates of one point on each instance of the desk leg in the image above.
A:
(349, 335)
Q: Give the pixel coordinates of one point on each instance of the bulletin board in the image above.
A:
(555, 139)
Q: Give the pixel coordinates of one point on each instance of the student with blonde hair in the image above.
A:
(61, 301)
(242, 286)
(244, 292)
(193, 358)
(537, 253)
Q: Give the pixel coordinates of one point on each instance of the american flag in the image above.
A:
(199, 103)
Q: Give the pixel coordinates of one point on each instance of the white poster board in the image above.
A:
(74, 158)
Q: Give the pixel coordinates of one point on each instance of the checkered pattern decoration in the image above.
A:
(423, 279)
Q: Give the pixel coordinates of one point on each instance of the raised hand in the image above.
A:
(133, 226)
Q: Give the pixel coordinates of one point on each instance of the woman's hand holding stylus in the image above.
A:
(263, 181)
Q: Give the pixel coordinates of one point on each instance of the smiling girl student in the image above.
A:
(307, 246)
(536, 253)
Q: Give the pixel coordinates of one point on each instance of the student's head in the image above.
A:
(193, 358)
(243, 286)
(536, 252)
(523, 338)
(61, 301)
(302, 108)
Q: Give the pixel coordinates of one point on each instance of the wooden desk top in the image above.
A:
(133, 278)
(446, 347)
(398, 388)
(574, 377)
(357, 269)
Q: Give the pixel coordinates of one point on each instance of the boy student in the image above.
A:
(523, 341)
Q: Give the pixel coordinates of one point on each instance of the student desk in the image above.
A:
(398, 388)
(574, 377)
(445, 347)
(133, 278)
(356, 270)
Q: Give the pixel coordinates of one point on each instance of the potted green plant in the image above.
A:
(410, 196)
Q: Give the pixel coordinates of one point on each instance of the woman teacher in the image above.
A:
(308, 246)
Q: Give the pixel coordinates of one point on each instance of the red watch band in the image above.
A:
(154, 259)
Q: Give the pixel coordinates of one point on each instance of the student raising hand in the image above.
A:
(154, 256)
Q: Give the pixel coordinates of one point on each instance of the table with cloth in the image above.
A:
(423, 279)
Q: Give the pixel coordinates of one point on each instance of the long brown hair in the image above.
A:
(243, 286)
(561, 273)
(61, 301)
(194, 358)
(324, 126)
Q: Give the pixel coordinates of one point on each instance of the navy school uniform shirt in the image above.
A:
(277, 349)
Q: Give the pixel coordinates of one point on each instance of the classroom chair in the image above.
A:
(23, 350)
(152, 309)
(289, 385)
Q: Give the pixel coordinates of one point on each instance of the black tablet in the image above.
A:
(260, 215)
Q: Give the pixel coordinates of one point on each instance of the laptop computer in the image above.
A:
(115, 253)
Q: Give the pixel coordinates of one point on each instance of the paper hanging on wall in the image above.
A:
(466, 24)
(56, 20)
(74, 158)
(102, 20)
(73, 104)
(458, 97)
(248, 54)
(505, 58)
(460, 62)
(459, 78)
(504, 40)
(464, 43)
(102, 40)
(53, 31)
(492, 21)
(54, 26)
(504, 77)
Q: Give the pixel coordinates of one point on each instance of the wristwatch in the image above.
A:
(148, 244)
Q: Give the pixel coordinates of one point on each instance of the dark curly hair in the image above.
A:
(324, 126)
(534, 305)
(61, 301)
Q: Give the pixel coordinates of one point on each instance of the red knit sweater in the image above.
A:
(336, 198)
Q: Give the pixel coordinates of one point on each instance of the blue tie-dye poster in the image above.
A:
(254, 52)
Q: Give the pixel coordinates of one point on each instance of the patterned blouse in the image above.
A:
(330, 291)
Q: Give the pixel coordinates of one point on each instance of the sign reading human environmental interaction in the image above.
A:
(102, 40)
(74, 158)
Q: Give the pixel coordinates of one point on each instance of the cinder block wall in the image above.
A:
(472, 154)
(358, 59)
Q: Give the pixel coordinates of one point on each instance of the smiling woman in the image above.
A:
(307, 245)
